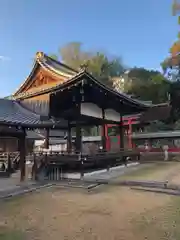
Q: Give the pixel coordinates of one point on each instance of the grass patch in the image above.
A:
(6, 234)
(154, 171)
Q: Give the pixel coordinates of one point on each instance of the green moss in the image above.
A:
(145, 171)
(7, 234)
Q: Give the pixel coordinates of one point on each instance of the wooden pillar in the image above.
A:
(46, 144)
(82, 168)
(9, 166)
(69, 139)
(78, 142)
(103, 130)
(22, 149)
(130, 134)
(121, 133)
(34, 168)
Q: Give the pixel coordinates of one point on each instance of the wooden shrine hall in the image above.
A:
(55, 96)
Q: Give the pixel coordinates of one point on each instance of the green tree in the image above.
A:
(147, 85)
(98, 64)
(171, 68)
(142, 74)
(171, 64)
(104, 68)
(73, 55)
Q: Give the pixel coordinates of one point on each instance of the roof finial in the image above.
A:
(84, 67)
(39, 55)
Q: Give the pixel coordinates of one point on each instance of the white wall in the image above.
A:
(92, 110)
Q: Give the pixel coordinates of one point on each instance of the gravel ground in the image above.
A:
(72, 215)
(117, 213)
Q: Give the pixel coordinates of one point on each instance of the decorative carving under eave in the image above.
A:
(41, 81)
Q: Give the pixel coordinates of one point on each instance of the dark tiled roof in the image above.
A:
(37, 106)
(33, 135)
(12, 113)
(53, 133)
(157, 112)
(56, 66)
(39, 134)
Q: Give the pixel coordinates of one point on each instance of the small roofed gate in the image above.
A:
(113, 139)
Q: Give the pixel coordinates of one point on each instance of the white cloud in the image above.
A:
(4, 58)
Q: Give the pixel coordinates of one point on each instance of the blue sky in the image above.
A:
(140, 31)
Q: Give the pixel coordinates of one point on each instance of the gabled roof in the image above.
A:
(156, 112)
(39, 134)
(33, 135)
(12, 113)
(56, 68)
(78, 78)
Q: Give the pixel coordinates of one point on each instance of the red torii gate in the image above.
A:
(128, 122)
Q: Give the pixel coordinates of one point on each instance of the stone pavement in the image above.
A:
(13, 187)
(114, 172)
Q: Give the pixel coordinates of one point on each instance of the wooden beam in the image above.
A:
(46, 144)
(78, 142)
(78, 100)
(22, 149)
(69, 139)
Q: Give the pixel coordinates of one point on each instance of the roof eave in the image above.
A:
(28, 79)
(142, 107)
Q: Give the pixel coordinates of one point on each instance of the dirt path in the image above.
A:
(73, 215)
(175, 178)
(116, 213)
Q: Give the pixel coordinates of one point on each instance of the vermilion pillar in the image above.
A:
(121, 133)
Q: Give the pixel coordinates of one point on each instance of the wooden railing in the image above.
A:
(9, 163)
(4, 156)
(58, 162)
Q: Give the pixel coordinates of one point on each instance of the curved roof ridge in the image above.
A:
(61, 63)
(53, 65)
(35, 65)
(135, 101)
(41, 60)
(53, 71)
